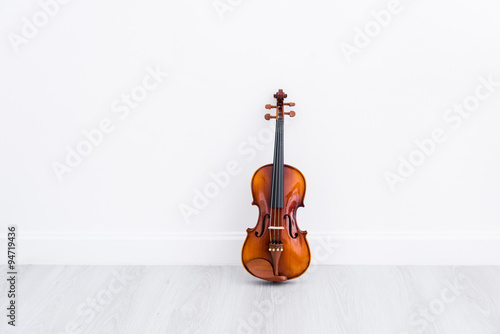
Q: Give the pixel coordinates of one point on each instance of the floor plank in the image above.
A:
(226, 299)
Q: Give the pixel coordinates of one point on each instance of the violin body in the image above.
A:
(296, 255)
(276, 249)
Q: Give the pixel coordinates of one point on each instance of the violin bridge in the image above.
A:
(276, 227)
(275, 247)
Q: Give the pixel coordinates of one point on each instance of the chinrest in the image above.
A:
(263, 269)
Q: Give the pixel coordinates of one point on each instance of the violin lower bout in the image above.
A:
(295, 257)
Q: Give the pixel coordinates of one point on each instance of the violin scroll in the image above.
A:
(280, 96)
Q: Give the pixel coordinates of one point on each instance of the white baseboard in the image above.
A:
(478, 248)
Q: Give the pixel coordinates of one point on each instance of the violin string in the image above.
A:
(276, 192)
(283, 171)
(271, 235)
(280, 189)
(282, 167)
(278, 182)
(272, 203)
(274, 187)
(277, 174)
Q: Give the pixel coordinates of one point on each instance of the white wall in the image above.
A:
(355, 116)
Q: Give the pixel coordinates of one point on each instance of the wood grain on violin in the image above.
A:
(276, 249)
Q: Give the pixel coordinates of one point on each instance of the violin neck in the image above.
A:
(277, 190)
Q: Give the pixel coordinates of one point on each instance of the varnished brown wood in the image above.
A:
(275, 250)
(295, 257)
(263, 269)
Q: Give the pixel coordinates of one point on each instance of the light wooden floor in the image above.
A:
(206, 299)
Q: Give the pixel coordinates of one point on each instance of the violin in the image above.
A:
(276, 249)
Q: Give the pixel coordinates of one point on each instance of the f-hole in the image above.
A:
(293, 236)
(263, 226)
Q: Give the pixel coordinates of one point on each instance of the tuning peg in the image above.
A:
(269, 106)
(291, 113)
(291, 104)
(268, 116)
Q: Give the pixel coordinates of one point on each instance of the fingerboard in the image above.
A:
(277, 191)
